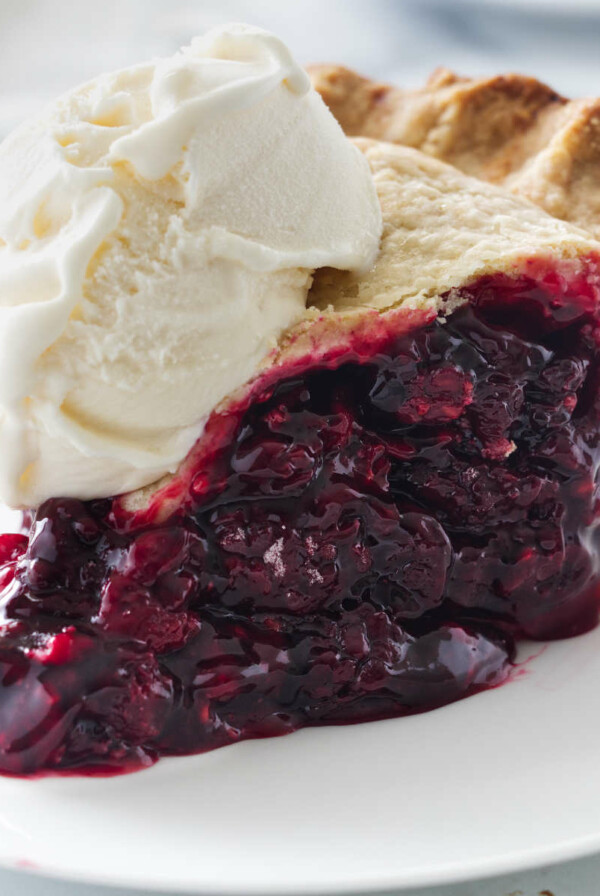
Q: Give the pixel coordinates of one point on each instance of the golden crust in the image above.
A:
(510, 130)
(442, 230)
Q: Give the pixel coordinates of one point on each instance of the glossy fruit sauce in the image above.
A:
(371, 545)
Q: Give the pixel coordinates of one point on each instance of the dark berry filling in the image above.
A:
(370, 544)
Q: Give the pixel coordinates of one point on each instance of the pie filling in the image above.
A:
(371, 543)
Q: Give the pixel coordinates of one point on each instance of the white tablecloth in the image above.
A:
(48, 45)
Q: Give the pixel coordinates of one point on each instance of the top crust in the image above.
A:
(509, 130)
(442, 230)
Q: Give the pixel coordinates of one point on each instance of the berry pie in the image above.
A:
(368, 524)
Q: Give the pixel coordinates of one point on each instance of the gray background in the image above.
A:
(49, 45)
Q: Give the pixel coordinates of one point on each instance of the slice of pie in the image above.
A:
(363, 530)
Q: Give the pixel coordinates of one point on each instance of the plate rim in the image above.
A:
(449, 875)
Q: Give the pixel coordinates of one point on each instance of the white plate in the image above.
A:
(500, 782)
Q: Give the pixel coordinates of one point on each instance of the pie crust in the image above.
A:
(508, 129)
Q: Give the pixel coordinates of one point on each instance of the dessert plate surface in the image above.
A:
(500, 782)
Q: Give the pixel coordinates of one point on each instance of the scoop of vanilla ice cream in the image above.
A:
(159, 228)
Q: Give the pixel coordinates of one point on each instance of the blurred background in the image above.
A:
(49, 45)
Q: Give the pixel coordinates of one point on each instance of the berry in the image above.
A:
(371, 543)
